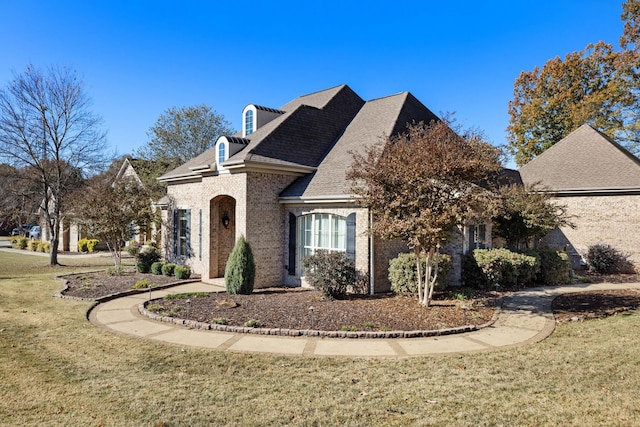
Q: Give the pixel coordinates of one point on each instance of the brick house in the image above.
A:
(599, 182)
(281, 183)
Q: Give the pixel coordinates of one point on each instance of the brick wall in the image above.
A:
(614, 220)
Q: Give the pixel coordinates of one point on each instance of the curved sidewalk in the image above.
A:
(525, 317)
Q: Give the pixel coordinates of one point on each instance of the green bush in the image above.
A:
(491, 268)
(33, 245)
(167, 269)
(156, 267)
(605, 259)
(330, 272)
(240, 272)
(133, 248)
(555, 267)
(91, 244)
(182, 272)
(403, 272)
(145, 259)
(116, 270)
(44, 247)
(83, 245)
(141, 284)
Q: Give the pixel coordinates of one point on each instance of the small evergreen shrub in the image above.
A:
(33, 245)
(145, 259)
(156, 268)
(182, 272)
(141, 284)
(403, 272)
(605, 259)
(91, 244)
(555, 267)
(116, 270)
(83, 245)
(491, 268)
(21, 242)
(44, 247)
(330, 272)
(167, 269)
(133, 248)
(240, 272)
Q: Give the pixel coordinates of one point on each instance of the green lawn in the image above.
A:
(57, 369)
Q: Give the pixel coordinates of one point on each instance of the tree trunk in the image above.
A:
(430, 276)
(53, 250)
(416, 251)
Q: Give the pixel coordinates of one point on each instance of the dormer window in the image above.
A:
(222, 152)
(248, 122)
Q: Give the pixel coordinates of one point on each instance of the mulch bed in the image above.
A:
(98, 284)
(291, 308)
(308, 309)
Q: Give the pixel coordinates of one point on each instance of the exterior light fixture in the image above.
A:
(225, 220)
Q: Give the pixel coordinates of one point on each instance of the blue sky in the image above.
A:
(139, 58)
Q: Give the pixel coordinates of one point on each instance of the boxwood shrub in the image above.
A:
(167, 269)
(492, 268)
(182, 272)
(156, 267)
(403, 272)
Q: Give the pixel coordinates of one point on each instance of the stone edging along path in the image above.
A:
(313, 332)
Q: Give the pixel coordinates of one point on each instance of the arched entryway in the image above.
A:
(222, 214)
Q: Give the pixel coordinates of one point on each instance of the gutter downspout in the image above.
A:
(371, 257)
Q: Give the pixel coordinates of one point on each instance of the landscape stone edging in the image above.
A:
(318, 333)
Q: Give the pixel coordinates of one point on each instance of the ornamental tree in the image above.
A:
(420, 185)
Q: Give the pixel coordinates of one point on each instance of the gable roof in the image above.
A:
(299, 138)
(376, 120)
(584, 161)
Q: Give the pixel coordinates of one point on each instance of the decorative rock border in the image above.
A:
(142, 309)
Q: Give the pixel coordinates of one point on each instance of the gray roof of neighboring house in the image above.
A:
(585, 160)
(301, 136)
(376, 120)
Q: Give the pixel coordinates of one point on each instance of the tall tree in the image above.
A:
(597, 85)
(181, 134)
(46, 125)
(420, 185)
(552, 101)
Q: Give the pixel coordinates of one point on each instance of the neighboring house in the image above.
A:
(281, 183)
(599, 182)
(71, 228)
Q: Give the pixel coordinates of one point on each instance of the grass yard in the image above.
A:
(57, 369)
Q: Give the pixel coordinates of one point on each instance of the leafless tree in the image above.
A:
(46, 125)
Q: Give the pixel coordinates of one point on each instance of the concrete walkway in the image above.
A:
(524, 318)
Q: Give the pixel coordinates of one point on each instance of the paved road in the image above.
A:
(525, 318)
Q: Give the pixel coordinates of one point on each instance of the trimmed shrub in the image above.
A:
(133, 248)
(19, 242)
(330, 272)
(555, 267)
(116, 270)
(240, 272)
(167, 269)
(403, 272)
(156, 267)
(605, 259)
(491, 268)
(91, 244)
(145, 259)
(182, 272)
(83, 245)
(44, 247)
(33, 245)
(141, 284)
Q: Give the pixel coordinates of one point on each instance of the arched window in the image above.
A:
(248, 122)
(222, 152)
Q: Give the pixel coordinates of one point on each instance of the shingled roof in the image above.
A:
(585, 161)
(301, 136)
(377, 119)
